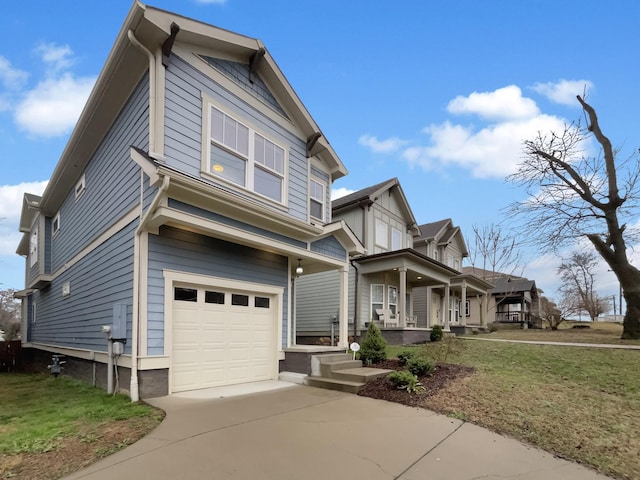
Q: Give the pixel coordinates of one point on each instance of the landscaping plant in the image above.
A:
(436, 333)
(404, 379)
(374, 346)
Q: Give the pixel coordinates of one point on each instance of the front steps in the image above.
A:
(341, 372)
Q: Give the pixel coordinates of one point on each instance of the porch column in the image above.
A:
(402, 301)
(429, 307)
(344, 308)
(445, 310)
(483, 313)
(463, 304)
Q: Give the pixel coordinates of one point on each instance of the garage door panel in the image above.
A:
(215, 344)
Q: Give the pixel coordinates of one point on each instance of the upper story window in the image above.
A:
(316, 199)
(382, 237)
(55, 224)
(396, 239)
(33, 246)
(245, 157)
(435, 253)
(80, 186)
(456, 264)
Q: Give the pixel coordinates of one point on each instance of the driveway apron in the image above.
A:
(303, 432)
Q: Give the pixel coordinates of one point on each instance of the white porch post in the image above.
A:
(463, 304)
(483, 310)
(445, 310)
(429, 308)
(344, 308)
(402, 301)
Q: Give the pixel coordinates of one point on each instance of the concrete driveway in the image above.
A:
(300, 433)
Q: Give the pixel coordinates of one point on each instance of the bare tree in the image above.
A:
(556, 312)
(572, 196)
(9, 315)
(493, 250)
(578, 274)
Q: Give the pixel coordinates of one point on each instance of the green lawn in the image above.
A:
(41, 415)
(579, 403)
(598, 332)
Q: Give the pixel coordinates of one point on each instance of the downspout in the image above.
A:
(152, 93)
(355, 302)
(137, 278)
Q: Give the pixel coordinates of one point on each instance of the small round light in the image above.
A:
(218, 168)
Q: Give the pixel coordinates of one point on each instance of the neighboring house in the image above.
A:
(193, 188)
(513, 299)
(397, 277)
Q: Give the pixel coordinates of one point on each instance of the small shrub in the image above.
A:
(406, 355)
(419, 366)
(374, 346)
(436, 333)
(404, 379)
(493, 327)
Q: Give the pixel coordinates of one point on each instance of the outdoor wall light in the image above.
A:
(299, 269)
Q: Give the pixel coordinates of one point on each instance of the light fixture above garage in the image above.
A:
(299, 269)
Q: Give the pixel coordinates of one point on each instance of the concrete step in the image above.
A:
(334, 357)
(334, 384)
(361, 374)
(326, 369)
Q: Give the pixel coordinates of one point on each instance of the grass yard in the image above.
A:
(51, 427)
(598, 332)
(579, 403)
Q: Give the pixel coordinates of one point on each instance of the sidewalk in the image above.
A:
(565, 344)
(305, 433)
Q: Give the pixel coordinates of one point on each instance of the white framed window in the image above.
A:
(450, 261)
(33, 246)
(393, 299)
(467, 308)
(382, 235)
(456, 264)
(435, 253)
(316, 199)
(239, 154)
(377, 300)
(396, 239)
(55, 224)
(81, 186)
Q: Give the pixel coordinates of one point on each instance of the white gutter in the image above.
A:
(153, 153)
(134, 391)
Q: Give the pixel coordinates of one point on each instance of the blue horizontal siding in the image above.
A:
(189, 252)
(101, 279)
(183, 129)
(329, 246)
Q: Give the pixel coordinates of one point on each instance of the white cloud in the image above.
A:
(11, 78)
(54, 105)
(505, 103)
(56, 57)
(389, 145)
(340, 192)
(564, 91)
(492, 151)
(10, 209)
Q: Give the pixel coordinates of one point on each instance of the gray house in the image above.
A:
(408, 276)
(192, 192)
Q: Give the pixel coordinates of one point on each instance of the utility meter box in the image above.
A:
(119, 326)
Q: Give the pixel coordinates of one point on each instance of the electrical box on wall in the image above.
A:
(119, 326)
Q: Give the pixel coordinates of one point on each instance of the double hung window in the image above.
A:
(316, 199)
(245, 157)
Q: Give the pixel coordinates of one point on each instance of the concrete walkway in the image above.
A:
(565, 344)
(305, 433)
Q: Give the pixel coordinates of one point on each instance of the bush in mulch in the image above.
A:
(434, 381)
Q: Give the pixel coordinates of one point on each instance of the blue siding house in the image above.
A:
(192, 194)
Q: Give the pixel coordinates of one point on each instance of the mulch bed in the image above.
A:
(438, 379)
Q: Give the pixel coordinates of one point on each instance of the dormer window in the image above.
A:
(241, 155)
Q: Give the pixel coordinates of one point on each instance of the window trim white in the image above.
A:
(396, 245)
(81, 186)
(206, 167)
(391, 288)
(377, 238)
(55, 222)
(374, 315)
(321, 201)
(34, 239)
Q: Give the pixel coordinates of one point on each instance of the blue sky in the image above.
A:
(438, 94)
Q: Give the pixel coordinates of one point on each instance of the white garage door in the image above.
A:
(221, 337)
